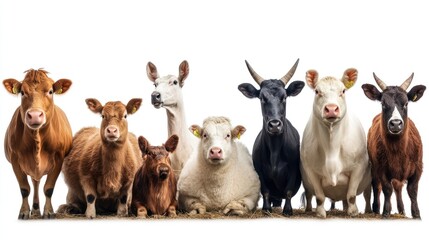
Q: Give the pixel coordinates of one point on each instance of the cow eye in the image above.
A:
(175, 82)
(405, 105)
(204, 135)
(344, 91)
(155, 84)
(125, 116)
(228, 136)
(51, 92)
(22, 93)
(317, 92)
(102, 116)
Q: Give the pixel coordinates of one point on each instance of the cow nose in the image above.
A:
(163, 172)
(215, 153)
(395, 125)
(35, 118)
(112, 133)
(156, 99)
(275, 125)
(331, 111)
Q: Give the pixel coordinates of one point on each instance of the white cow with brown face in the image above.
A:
(334, 157)
(219, 175)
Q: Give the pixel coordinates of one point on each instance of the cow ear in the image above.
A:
(294, 88)
(61, 86)
(196, 130)
(171, 143)
(143, 145)
(152, 72)
(183, 72)
(134, 105)
(311, 77)
(94, 105)
(248, 90)
(238, 131)
(12, 85)
(416, 93)
(371, 92)
(350, 77)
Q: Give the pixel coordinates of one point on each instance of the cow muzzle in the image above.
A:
(331, 112)
(215, 154)
(156, 99)
(275, 126)
(111, 133)
(395, 126)
(163, 171)
(35, 118)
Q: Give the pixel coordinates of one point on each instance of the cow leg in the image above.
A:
(397, 187)
(123, 207)
(309, 198)
(376, 189)
(24, 212)
(35, 211)
(88, 185)
(48, 189)
(345, 205)
(412, 189)
(387, 191)
(332, 205)
(367, 197)
(266, 203)
(287, 209)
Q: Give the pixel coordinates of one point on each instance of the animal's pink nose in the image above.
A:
(112, 133)
(331, 111)
(35, 118)
(215, 153)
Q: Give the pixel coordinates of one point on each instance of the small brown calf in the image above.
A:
(100, 168)
(155, 187)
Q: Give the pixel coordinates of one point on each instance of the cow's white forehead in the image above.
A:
(327, 84)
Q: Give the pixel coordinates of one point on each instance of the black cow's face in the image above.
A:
(394, 101)
(273, 96)
(394, 104)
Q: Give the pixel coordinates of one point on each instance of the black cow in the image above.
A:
(276, 156)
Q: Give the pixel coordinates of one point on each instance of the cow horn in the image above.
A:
(255, 76)
(380, 83)
(407, 82)
(289, 75)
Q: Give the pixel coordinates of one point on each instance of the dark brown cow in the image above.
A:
(394, 145)
(100, 168)
(38, 137)
(155, 187)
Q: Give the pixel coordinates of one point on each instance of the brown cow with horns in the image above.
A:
(394, 145)
(38, 138)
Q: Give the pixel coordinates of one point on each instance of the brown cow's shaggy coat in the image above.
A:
(100, 168)
(155, 186)
(394, 146)
(38, 137)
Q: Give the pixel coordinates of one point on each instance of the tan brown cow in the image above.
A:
(155, 186)
(37, 138)
(101, 165)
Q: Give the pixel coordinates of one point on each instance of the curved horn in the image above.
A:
(255, 76)
(380, 83)
(407, 82)
(289, 75)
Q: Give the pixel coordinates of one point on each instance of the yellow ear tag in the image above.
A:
(414, 98)
(134, 110)
(14, 90)
(238, 136)
(59, 91)
(349, 84)
(196, 133)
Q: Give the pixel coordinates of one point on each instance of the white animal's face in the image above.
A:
(167, 92)
(329, 101)
(217, 139)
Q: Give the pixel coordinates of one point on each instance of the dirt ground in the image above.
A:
(258, 214)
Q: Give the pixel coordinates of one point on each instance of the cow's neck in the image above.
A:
(274, 143)
(112, 155)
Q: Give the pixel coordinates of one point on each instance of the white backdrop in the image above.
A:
(104, 46)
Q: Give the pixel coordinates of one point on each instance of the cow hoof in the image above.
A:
(24, 215)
